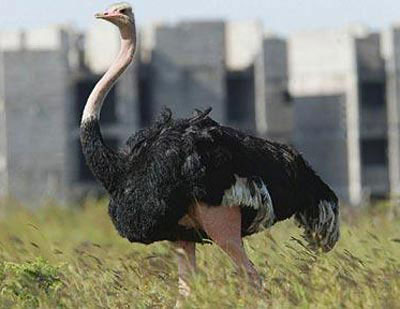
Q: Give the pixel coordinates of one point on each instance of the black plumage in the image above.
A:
(181, 179)
(166, 168)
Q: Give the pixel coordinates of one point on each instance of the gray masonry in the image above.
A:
(188, 68)
(323, 91)
(391, 48)
(3, 134)
(372, 116)
(42, 94)
(35, 94)
(320, 134)
(337, 79)
(244, 75)
(278, 106)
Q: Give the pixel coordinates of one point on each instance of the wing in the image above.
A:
(221, 154)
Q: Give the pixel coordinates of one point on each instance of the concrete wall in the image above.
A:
(35, 91)
(324, 64)
(48, 38)
(373, 115)
(391, 48)
(320, 135)
(245, 74)
(101, 46)
(3, 133)
(278, 107)
(53, 38)
(40, 153)
(348, 63)
(241, 99)
(188, 68)
(3, 155)
(320, 62)
(336, 77)
(36, 95)
(243, 44)
(258, 82)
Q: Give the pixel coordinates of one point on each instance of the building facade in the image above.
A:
(326, 92)
(43, 91)
(391, 52)
(338, 84)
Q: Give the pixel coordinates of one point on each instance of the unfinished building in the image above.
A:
(335, 112)
(338, 83)
(42, 94)
(391, 51)
(190, 75)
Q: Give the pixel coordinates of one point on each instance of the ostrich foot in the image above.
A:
(252, 275)
(186, 253)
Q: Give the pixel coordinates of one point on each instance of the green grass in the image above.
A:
(72, 258)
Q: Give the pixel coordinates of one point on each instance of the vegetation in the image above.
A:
(72, 258)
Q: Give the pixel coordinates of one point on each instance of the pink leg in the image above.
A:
(186, 252)
(223, 225)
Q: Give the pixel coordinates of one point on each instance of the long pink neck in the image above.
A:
(95, 101)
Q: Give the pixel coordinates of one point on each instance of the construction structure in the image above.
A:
(323, 91)
(34, 95)
(391, 52)
(257, 82)
(337, 80)
(190, 75)
(42, 93)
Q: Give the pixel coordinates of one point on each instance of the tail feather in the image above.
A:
(321, 225)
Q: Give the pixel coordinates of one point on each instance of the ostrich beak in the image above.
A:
(105, 15)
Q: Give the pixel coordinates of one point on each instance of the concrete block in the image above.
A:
(190, 75)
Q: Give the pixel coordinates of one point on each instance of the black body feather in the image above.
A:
(166, 168)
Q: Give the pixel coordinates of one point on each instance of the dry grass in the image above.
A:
(73, 258)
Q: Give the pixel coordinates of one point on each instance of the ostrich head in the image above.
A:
(120, 14)
(104, 162)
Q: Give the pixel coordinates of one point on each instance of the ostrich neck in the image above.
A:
(105, 163)
(95, 101)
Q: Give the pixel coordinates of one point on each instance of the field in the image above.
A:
(72, 258)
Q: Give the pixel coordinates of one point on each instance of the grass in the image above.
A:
(72, 258)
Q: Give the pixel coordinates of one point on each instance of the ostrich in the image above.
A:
(191, 180)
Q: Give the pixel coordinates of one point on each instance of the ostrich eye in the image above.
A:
(123, 11)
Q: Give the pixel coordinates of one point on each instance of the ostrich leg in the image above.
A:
(223, 225)
(186, 252)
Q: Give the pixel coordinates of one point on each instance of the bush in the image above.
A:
(26, 283)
